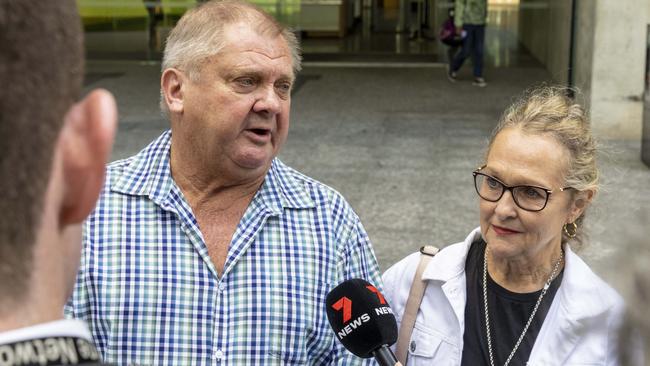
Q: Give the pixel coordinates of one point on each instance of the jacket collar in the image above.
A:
(450, 263)
(582, 293)
(582, 300)
(148, 174)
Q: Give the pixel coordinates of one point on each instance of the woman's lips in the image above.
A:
(504, 231)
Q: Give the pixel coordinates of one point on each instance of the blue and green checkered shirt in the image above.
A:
(150, 292)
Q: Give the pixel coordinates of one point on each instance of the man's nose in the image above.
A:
(268, 101)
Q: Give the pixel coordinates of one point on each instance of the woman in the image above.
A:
(514, 292)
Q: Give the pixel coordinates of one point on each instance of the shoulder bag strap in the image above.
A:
(413, 304)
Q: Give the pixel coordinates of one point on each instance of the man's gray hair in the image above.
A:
(198, 35)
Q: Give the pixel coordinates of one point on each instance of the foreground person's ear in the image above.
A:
(85, 145)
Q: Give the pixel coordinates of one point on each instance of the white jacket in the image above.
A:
(580, 327)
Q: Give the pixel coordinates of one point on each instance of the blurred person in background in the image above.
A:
(53, 150)
(470, 18)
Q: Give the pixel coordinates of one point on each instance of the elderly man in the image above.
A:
(204, 247)
(52, 156)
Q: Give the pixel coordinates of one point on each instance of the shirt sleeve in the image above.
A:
(357, 261)
(458, 13)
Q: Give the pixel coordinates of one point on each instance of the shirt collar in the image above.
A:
(284, 187)
(59, 328)
(148, 174)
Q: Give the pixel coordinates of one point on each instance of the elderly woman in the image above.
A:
(513, 292)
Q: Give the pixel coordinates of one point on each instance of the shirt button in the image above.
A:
(222, 286)
(218, 355)
(412, 346)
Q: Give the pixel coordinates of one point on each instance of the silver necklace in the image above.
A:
(530, 319)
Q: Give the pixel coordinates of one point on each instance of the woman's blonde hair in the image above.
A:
(549, 110)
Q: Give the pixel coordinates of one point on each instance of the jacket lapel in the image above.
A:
(576, 306)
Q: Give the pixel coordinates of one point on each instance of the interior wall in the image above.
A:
(545, 30)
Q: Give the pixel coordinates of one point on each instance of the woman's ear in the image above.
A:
(85, 144)
(581, 200)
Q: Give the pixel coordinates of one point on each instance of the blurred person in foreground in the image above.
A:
(514, 292)
(205, 248)
(53, 150)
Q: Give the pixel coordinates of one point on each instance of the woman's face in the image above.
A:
(511, 232)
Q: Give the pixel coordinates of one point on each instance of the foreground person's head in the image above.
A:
(53, 150)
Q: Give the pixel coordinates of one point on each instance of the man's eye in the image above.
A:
(246, 82)
(284, 88)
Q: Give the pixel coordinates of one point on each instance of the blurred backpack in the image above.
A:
(448, 34)
(447, 31)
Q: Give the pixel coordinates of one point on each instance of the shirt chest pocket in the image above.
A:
(428, 347)
(296, 324)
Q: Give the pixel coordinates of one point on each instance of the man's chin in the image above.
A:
(256, 162)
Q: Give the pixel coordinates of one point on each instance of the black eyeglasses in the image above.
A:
(529, 198)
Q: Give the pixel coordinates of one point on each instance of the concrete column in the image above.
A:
(609, 63)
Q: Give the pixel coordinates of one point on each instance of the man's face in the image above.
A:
(237, 109)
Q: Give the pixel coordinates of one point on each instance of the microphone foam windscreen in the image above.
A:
(361, 318)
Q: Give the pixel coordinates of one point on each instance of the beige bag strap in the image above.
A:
(413, 304)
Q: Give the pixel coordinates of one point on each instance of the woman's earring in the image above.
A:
(571, 229)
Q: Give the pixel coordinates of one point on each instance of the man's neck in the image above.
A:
(203, 186)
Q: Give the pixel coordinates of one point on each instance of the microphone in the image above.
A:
(363, 321)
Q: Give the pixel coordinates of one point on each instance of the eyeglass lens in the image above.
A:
(527, 197)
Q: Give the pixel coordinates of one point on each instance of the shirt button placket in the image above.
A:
(219, 356)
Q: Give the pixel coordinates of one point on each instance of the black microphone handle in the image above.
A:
(385, 356)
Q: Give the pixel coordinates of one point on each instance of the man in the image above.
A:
(52, 157)
(470, 22)
(205, 248)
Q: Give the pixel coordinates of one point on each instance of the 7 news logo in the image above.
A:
(344, 304)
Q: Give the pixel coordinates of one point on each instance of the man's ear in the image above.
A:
(85, 143)
(171, 84)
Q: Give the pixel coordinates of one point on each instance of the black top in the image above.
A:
(509, 312)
